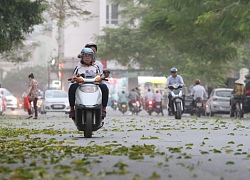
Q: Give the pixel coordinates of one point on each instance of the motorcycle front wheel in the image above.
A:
(178, 111)
(88, 125)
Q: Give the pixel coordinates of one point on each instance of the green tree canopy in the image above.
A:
(17, 19)
(201, 38)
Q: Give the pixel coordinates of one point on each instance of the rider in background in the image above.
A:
(174, 78)
(238, 92)
(139, 93)
(114, 98)
(198, 91)
(149, 96)
(133, 96)
(158, 100)
(122, 98)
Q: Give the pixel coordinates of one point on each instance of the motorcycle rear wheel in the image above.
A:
(88, 125)
(198, 112)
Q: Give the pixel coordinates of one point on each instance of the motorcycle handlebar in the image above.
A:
(73, 79)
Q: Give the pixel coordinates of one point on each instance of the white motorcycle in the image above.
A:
(88, 104)
(177, 100)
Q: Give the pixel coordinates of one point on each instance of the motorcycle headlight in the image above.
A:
(88, 89)
(14, 100)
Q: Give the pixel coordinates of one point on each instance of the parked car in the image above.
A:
(11, 101)
(55, 101)
(219, 101)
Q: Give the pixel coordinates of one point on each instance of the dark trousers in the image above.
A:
(72, 94)
(235, 99)
(35, 107)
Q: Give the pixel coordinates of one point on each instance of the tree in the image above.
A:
(27, 13)
(18, 18)
(65, 12)
(19, 53)
(189, 34)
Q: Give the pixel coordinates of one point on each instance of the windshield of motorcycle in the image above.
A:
(175, 86)
(176, 91)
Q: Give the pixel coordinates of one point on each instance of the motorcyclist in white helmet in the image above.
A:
(174, 78)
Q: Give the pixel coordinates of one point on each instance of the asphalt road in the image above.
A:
(127, 147)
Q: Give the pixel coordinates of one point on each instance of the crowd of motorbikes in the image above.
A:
(88, 104)
(176, 105)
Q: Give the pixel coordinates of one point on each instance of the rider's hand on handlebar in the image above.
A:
(72, 78)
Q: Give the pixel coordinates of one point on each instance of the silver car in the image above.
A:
(55, 101)
(219, 101)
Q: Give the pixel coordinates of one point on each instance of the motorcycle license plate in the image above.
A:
(199, 104)
(134, 104)
(158, 106)
(123, 105)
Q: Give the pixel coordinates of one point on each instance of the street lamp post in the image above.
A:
(48, 75)
(50, 63)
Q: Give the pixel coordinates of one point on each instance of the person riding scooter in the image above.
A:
(122, 98)
(174, 78)
(87, 66)
(198, 91)
(103, 73)
(133, 96)
(149, 96)
(158, 101)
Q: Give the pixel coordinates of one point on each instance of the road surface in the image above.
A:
(126, 148)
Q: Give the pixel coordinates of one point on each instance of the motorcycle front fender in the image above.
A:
(88, 98)
(178, 101)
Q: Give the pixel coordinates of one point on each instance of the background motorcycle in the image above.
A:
(114, 104)
(198, 109)
(123, 107)
(135, 107)
(158, 108)
(88, 104)
(177, 100)
(150, 107)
